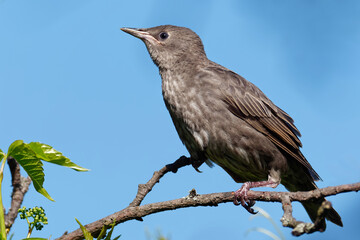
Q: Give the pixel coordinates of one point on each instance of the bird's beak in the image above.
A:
(136, 32)
(140, 33)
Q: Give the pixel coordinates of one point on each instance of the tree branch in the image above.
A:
(144, 189)
(134, 211)
(20, 186)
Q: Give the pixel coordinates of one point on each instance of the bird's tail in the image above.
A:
(312, 209)
(306, 183)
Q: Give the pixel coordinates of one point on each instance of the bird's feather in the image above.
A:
(247, 102)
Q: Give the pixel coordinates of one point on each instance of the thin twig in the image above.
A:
(144, 189)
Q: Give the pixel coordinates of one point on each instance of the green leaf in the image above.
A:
(14, 145)
(27, 158)
(11, 236)
(102, 232)
(117, 237)
(2, 154)
(49, 154)
(108, 237)
(86, 233)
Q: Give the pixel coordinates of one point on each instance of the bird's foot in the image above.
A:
(181, 162)
(240, 197)
(196, 163)
(184, 161)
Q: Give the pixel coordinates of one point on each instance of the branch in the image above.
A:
(144, 189)
(134, 211)
(20, 186)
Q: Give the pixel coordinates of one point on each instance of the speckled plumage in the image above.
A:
(222, 117)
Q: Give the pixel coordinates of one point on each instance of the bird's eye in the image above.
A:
(163, 35)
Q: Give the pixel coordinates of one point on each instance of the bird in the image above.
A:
(224, 119)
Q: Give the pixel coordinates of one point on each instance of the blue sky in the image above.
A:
(70, 78)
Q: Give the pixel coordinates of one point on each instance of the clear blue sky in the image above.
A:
(70, 78)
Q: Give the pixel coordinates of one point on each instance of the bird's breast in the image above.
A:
(204, 124)
(184, 103)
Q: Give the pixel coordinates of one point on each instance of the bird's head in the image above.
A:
(168, 45)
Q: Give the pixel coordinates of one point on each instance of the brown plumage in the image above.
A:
(223, 118)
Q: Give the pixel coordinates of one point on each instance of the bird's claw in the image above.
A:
(240, 198)
(196, 163)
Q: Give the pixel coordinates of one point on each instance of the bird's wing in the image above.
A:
(247, 102)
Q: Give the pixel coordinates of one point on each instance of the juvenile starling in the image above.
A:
(223, 118)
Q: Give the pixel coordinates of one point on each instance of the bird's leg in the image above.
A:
(241, 194)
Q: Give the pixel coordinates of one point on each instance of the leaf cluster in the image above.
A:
(29, 156)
